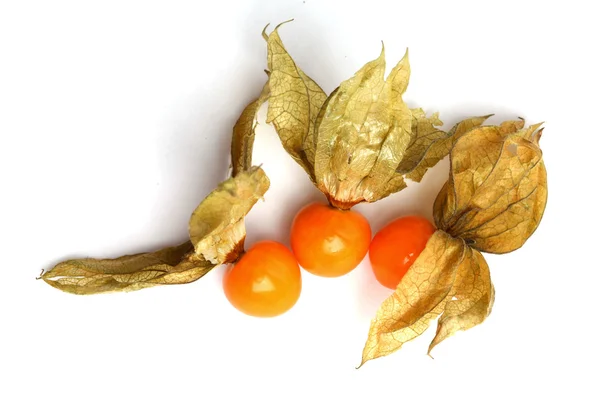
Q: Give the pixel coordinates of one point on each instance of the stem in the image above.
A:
(341, 205)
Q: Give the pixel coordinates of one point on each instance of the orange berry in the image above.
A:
(396, 247)
(265, 282)
(329, 242)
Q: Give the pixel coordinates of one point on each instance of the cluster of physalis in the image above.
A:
(358, 144)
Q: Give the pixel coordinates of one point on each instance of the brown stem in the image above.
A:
(342, 205)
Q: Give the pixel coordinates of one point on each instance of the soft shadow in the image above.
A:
(280, 211)
(193, 157)
(196, 156)
(369, 293)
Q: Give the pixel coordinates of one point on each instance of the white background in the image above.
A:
(115, 119)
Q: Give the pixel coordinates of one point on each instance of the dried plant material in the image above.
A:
(242, 141)
(493, 201)
(173, 265)
(294, 103)
(425, 133)
(510, 127)
(364, 132)
(498, 189)
(419, 298)
(217, 225)
(532, 133)
(439, 149)
(395, 184)
(357, 144)
(470, 301)
(216, 229)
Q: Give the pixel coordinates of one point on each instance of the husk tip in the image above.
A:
(264, 32)
(537, 135)
(283, 23)
(431, 347)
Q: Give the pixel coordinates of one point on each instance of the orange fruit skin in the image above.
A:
(265, 282)
(396, 247)
(328, 241)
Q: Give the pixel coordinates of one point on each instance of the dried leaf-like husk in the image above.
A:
(497, 190)
(493, 201)
(363, 134)
(242, 141)
(217, 225)
(358, 143)
(217, 235)
(169, 266)
(512, 126)
(448, 280)
(425, 133)
(294, 103)
(471, 299)
(440, 148)
(419, 298)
